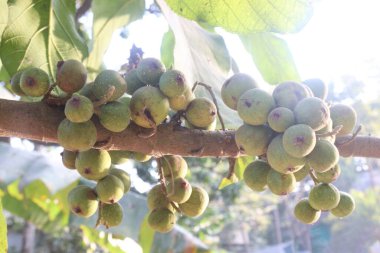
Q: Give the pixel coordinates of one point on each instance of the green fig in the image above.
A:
(68, 158)
(79, 109)
(34, 82)
(71, 75)
(114, 116)
(110, 189)
(324, 156)
(179, 190)
(305, 213)
(15, 84)
(254, 140)
(149, 107)
(134, 83)
(280, 184)
(76, 136)
(201, 112)
(313, 112)
(288, 94)
(83, 201)
(234, 87)
(182, 101)
(173, 166)
(255, 175)
(318, 87)
(109, 80)
(111, 215)
(281, 118)
(93, 164)
(149, 71)
(345, 206)
(196, 204)
(162, 220)
(173, 83)
(157, 199)
(254, 106)
(328, 176)
(324, 197)
(123, 176)
(299, 140)
(345, 116)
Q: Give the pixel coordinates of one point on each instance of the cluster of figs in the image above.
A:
(144, 95)
(292, 132)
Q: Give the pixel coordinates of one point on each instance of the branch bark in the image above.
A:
(39, 121)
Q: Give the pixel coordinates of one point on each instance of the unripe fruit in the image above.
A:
(280, 184)
(254, 140)
(71, 75)
(326, 129)
(123, 176)
(93, 164)
(280, 160)
(324, 197)
(181, 102)
(106, 80)
(299, 140)
(305, 213)
(254, 106)
(288, 94)
(280, 118)
(68, 158)
(110, 189)
(83, 201)
(122, 156)
(76, 136)
(79, 109)
(210, 127)
(196, 204)
(328, 176)
(111, 215)
(134, 83)
(157, 199)
(345, 206)
(234, 87)
(173, 83)
(174, 166)
(345, 116)
(34, 82)
(15, 84)
(318, 87)
(114, 116)
(150, 70)
(149, 107)
(87, 91)
(162, 220)
(179, 190)
(255, 175)
(302, 173)
(201, 112)
(313, 112)
(324, 156)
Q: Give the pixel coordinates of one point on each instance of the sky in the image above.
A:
(342, 38)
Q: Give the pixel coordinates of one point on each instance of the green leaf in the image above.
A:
(93, 235)
(272, 57)
(167, 49)
(228, 181)
(3, 16)
(240, 165)
(202, 56)
(109, 16)
(40, 33)
(146, 236)
(3, 230)
(247, 16)
(4, 76)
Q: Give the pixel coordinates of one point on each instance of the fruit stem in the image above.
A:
(231, 169)
(209, 89)
(99, 220)
(335, 131)
(313, 177)
(352, 138)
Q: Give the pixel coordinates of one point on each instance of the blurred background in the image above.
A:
(340, 45)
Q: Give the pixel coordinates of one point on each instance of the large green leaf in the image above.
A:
(202, 56)
(146, 236)
(167, 49)
(3, 16)
(109, 16)
(247, 16)
(3, 230)
(272, 57)
(40, 33)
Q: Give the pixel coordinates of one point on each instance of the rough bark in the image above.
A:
(39, 121)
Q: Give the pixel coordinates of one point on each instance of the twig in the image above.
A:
(335, 131)
(313, 177)
(231, 169)
(99, 220)
(83, 9)
(352, 138)
(209, 89)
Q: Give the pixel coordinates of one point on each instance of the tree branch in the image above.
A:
(39, 121)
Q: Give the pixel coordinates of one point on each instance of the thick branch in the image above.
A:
(38, 121)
